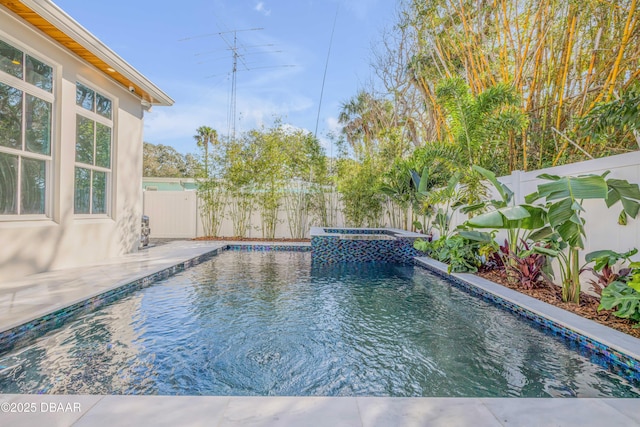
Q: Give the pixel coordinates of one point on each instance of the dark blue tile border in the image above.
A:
(359, 231)
(614, 360)
(269, 248)
(21, 335)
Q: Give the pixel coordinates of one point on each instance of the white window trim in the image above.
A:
(51, 97)
(97, 118)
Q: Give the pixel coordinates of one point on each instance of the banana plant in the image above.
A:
(563, 198)
(503, 214)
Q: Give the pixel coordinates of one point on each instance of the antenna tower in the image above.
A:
(231, 131)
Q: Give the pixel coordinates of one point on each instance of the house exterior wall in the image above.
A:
(65, 239)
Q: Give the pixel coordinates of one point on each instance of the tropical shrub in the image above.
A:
(358, 187)
(624, 296)
(460, 253)
(527, 267)
(213, 200)
(238, 185)
(493, 255)
(564, 197)
(397, 186)
(603, 269)
(503, 214)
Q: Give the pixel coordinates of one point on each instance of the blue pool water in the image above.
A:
(271, 323)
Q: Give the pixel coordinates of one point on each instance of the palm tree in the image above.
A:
(363, 118)
(480, 124)
(205, 136)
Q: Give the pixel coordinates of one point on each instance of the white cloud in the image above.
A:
(262, 9)
(333, 125)
(200, 105)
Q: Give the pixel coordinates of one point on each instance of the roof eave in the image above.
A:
(88, 47)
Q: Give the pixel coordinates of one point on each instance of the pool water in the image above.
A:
(273, 323)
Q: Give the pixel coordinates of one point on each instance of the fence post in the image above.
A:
(516, 181)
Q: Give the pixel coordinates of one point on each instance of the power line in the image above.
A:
(326, 66)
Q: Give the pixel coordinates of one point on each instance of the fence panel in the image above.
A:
(601, 226)
(172, 214)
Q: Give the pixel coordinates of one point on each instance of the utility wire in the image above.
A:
(326, 66)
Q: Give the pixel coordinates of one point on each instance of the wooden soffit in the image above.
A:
(52, 21)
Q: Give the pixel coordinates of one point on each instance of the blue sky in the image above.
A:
(196, 72)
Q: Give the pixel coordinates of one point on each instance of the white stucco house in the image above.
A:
(71, 124)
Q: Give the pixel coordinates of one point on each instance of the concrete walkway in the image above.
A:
(31, 297)
(39, 294)
(208, 411)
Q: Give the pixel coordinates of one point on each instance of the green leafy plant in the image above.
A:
(420, 200)
(448, 200)
(603, 269)
(358, 187)
(503, 214)
(460, 253)
(564, 197)
(477, 122)
(624, 296)
(615, 118)
(397, 186)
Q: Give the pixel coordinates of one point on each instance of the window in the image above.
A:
(26, 100)
(93, 151)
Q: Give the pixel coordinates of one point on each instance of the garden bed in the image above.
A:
(552, 294)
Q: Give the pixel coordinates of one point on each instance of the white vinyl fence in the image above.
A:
(601, 223)
(175, 213)
(172, 214)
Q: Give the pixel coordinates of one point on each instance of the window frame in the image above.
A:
(96, 118)
(52, 97)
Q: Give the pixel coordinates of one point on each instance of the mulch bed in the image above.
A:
(552, 294)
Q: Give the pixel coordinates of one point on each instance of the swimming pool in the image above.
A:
(273, 323)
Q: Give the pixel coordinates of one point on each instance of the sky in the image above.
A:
(281, 62)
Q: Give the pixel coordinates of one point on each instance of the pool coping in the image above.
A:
(337, 231)
(621, 349)
(24, 329)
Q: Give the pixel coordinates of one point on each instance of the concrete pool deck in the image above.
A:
(32, 297)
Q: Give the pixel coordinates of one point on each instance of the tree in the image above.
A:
(358, 184)
(212, 198)
(205, 136)
(561, 57)
(618, 119)
(370, 126)
(482, 125)
(163, 161)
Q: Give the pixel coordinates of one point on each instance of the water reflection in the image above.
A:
(252, 323)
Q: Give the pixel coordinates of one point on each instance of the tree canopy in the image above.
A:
(163, 161)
